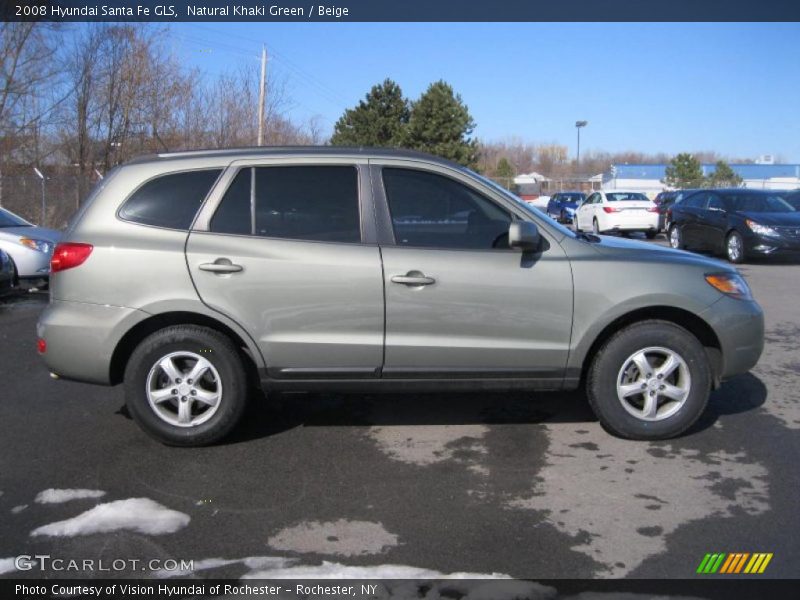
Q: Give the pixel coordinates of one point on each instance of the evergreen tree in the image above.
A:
(440, 124)
(378, 120)
(684, 171)
(724, 176)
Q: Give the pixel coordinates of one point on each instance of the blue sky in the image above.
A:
(733, 88)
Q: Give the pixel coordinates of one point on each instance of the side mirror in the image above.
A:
(524, 235)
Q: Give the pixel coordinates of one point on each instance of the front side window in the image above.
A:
(432, 211)
(315, 203)
(170, 201)
(771, 203)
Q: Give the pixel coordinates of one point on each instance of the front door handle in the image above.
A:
(221, 266)
(413, 278)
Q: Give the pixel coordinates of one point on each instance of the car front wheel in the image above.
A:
(649, 381)
(186, 386)
(734, 247)
(676, 237)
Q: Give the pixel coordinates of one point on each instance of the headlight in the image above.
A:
(38, 245)
(760, 229)
(730, 284)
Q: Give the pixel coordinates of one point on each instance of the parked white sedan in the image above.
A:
(617, 211)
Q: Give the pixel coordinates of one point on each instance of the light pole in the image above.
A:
(44, 202)
(578, 125)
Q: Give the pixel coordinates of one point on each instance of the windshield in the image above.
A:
(623, 196)
(520, 202)
(762, 203)
(573, 197)
(9, 219)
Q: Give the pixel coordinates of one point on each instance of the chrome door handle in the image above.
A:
(221, 266)
(413, 278)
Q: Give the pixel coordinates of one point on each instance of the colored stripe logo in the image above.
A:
(734, 563)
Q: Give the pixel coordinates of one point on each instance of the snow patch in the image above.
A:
(135, 514)
(54, 496)
(332, 570)
(606, 492)
(251, 562)
(18, 509)
(339, 538)
(7, 565)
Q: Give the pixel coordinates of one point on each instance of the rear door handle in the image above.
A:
(413, 278)
(221, 266)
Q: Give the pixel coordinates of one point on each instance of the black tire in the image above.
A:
(735, 257)
(606, 367)
(675, 238)
(563, 218)
(225, 359)
(595, 227)
(650, 235)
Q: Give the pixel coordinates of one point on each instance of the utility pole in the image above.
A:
(262, 96)
(578, 125)
(41, 176)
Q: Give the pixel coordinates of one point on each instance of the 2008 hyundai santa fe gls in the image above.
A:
(189, 276)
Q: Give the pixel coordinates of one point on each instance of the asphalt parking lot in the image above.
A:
(519, 484)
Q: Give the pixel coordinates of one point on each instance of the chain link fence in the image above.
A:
(60, 195)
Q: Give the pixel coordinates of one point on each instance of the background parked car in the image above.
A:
(562, 206)
(618, 211)
(30, 247)
(736, 222)
(6, 274)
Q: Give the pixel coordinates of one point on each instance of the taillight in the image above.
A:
(69, 255)
(611, 209)
(41, 346)
(652, 209)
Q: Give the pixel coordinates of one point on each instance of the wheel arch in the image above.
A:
(134, 336)
(685, 319)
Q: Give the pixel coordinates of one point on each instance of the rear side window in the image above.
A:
(170, 201)
(315, 203)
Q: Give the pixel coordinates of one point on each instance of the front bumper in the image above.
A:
(31, 264)
(81, 338)
(739, 325)
(761, 245)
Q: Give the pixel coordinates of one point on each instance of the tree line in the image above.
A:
(76, 101)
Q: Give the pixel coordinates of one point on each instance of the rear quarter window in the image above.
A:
(170, 201)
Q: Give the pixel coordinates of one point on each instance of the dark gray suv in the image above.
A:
(188, 276)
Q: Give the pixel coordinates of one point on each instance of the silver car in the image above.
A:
(30, 247)
(188, 276)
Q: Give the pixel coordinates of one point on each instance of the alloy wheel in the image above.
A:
(653, 383)
(184, 389)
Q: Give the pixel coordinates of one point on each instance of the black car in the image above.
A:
(562, 205)
(793, 198)
(664, 202)
(736, 222)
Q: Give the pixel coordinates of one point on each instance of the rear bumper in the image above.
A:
(81, 338)
(739, 325)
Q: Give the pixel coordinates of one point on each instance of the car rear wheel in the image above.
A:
(595, 227)
(734, 247)
(186, 386)
(650, 235)
(649, 381)
(676, 238)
